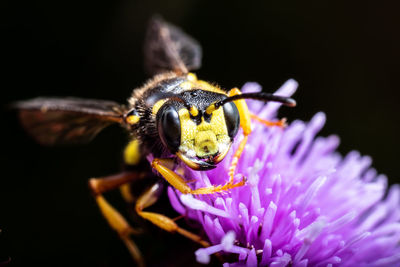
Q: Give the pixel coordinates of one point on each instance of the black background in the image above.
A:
(344, 54)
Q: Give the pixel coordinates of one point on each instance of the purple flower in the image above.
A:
(303, 204)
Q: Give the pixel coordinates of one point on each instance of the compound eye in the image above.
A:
(169, 127)
(232, 118)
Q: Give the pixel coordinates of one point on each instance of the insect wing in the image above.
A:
(168, 48)
(69, 120)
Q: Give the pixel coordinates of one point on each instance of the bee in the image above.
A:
(174, 117)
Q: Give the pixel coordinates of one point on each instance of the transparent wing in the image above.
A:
(69, 120)
(168, 48)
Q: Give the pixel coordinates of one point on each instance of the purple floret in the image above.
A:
(303, 204)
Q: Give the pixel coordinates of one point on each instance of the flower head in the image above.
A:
(303, 204)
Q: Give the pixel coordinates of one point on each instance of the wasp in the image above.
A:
(174, 117)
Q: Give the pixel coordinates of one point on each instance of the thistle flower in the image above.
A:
(303, 204)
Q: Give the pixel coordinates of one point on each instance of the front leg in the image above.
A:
(163, 166)
(280, 123)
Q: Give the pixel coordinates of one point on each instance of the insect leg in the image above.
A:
(245, 123)
(116, 221)
(281, 123)
(163, 166)
(147, 199)
(104, 184)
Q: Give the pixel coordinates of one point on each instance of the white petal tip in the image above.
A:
(189, 201)
(228, 240)
(202, 256)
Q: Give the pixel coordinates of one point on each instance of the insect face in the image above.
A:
(199, 139)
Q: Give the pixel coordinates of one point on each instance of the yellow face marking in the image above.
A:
(210, 109)
(132, 119)
(194, 111)
(205, 139)
(158, 105)
(218, 122)
(188, 127)
(205, 143)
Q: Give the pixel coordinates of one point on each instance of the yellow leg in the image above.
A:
(116, 221)
(161, 165)
(281, 123)
(126, 193)
(101, 185)
(245, 123)
(149, 198)
(236, 158)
